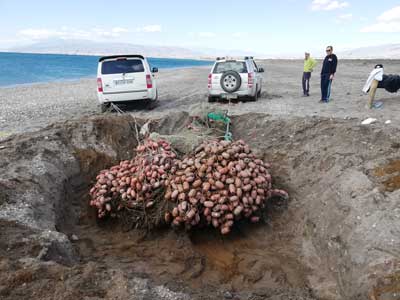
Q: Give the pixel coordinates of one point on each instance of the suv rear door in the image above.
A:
(229, 65)
(123, 75)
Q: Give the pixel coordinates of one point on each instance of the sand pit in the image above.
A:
(337, 237)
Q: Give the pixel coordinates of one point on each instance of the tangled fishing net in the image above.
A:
(218, 184)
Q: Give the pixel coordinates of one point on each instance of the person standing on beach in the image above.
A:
(327, 74)
(309, 64)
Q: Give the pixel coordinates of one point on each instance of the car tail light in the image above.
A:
(99, 85)
(149, 82)
(250, 80)
(209, 80)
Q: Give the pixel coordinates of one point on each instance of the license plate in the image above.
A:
(123, 81)
(229, 96)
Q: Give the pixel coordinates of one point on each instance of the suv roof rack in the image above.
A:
(120, 56)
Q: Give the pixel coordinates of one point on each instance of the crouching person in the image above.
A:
(377, 79)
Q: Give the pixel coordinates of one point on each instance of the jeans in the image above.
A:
(325, 87)
(306, 82)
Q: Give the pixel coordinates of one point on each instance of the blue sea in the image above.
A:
(21, 68)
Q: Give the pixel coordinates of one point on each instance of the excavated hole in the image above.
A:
(253, 257)
(300, 252)
(262, 257)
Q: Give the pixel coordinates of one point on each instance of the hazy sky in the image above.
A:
(269, 27)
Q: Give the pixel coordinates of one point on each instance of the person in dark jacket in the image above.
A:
(327, 73)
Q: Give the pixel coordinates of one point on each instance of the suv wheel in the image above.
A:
(212, 99)
(230, 81)
(255, 97)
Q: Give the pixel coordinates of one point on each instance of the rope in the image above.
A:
(121, 112)
(116, 108)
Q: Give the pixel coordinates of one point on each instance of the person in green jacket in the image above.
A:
(309, 64)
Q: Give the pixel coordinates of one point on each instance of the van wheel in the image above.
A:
(104, 107)
(152, 105)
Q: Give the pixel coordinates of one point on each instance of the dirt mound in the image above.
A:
(333, 240)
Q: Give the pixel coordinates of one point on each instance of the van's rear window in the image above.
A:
(122, 66)
(237, 66)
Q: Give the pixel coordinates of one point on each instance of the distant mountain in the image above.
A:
(85, 47)
(213, 52)
(389, 51)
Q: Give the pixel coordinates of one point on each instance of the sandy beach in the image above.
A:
(30, 107)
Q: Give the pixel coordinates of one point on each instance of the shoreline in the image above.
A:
(77, 80)
(19, 85)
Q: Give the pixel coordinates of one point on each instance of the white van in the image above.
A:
(122, 78)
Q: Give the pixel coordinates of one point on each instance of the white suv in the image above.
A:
(123, 78)
(234, 78)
